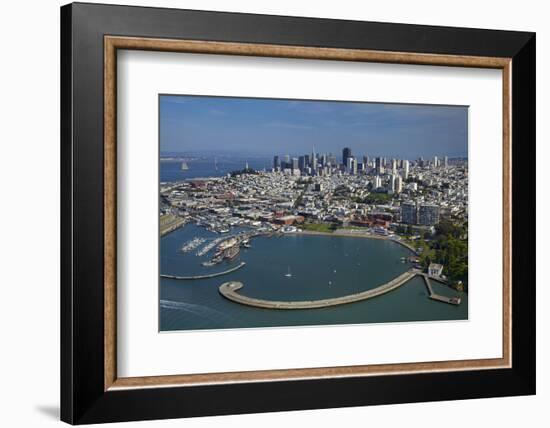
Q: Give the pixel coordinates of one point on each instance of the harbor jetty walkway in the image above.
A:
(229, 291)
(211, 275)
(434, 296)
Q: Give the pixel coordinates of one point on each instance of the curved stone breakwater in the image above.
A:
(211, 275)
(229, 291)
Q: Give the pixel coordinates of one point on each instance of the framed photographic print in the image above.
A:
(316, 212)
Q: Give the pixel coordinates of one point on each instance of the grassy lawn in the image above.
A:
(317, 227)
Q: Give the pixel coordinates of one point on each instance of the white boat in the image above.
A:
(288, 274)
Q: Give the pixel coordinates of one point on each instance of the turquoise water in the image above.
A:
(321, 267)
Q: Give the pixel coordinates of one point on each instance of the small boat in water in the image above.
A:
(288, 274)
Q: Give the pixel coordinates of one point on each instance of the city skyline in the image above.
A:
(273, 126)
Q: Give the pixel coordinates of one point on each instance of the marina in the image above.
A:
(320, 267)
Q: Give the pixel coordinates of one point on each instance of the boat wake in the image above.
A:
(198, 310)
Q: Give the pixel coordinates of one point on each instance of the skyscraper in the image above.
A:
(405, 169)
(398, 184)
(294, 164)
(349, 165)
(446, 161)
(302, 163)
(346, 154)
(379, 165)
(436, 162)
(276, 163)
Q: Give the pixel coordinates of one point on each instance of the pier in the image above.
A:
(169, 223)
(434, 296)
(211, 275)
(229, 291)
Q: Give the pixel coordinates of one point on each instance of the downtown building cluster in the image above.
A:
(381, 194)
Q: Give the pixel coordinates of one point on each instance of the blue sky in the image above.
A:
(273, 126)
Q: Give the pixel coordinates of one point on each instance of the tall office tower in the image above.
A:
(446, 161)
(295, 164)
(398, 184)
(377, 182)
(379, 165)
(313, 164)
(366, 160)
(276, 163)
(361, 167)
(346, 154)
(307, 160)
(392, 183)
(349, 165)
(428, 215)
(323, 159)
(409, 213)
(332, 160)
(400, 165)
(405, 169)
(354, 166)
(384, 162)
(393, 166)
(302, 163)
(436, 162)
(286, 159)
(421, 162)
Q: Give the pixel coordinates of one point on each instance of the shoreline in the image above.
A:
(344, 234)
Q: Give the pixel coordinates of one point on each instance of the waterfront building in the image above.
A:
(346, 154)
(409, 213)
(435, 269)
(428, 215)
